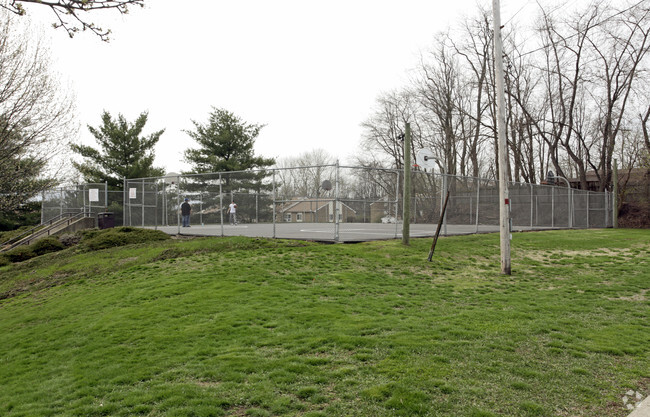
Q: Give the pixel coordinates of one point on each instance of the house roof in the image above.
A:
(636, 175)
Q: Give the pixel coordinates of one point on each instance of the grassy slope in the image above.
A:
(254, 327)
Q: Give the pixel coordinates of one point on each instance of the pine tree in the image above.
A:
(226, 145)
(123, 152)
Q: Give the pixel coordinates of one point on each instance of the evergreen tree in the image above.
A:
(226, 145)
(21, 173)
(123, 152)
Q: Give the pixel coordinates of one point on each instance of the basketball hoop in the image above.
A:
(424, 158)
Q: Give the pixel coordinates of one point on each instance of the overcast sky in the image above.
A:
(309, 70)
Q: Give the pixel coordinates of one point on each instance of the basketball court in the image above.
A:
(326, 232)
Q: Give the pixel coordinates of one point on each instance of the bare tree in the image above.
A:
(571, 101)
(74, 10)
(384, 129)
(646, 138)
(563, 70)
(439, 90)
(304, 174)
(620, 46)
(527, 149)
(476, 50)
(35, 117)
(591, 61)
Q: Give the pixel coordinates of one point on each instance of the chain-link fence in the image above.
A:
(338, 203)
(156, 201)
(330, 202)
(90, 199)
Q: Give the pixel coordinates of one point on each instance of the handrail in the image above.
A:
(61, 218)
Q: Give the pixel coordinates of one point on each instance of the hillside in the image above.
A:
(255, 327)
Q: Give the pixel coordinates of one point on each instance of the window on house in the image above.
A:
(298, 217)
(287, 217)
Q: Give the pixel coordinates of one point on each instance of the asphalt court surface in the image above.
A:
(347, 232)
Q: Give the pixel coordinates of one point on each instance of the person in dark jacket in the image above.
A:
(186, 210)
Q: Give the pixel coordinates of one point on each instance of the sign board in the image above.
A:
(133, 193)
(93, 194)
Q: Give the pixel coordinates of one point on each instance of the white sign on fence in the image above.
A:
(133, 193)
(93, 194)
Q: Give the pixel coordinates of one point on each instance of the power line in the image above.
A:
(518, 11)
(582, 32)
(558, 8)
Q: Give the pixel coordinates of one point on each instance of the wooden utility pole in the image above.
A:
(406, 208)
(615, 196)
(504, 201)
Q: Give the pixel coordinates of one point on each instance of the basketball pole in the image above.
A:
(504, 201)
(435, 238)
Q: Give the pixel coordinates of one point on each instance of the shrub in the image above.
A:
(19, 254)
(47, 245)
(89, 233)
(4, 260)
(121, 236)
(70, 239)
(7, 236)
(26, 216)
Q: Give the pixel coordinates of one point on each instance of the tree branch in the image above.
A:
(66, 10)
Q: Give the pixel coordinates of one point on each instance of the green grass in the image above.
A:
(255, 327)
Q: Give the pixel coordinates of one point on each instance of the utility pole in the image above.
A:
(504, 200)
(615, 196)
(406, 226)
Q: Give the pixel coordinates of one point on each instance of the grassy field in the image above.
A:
(254, 327)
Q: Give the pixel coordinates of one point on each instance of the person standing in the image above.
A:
(232, 210)
(186, 210)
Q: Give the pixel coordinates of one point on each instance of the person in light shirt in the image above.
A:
(232, 210)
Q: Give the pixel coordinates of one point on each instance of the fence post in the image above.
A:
(143, 202)
(531, 206)
(155, 211)
(445, 186)
(336, 205)
(406, 200)
(606, 209)
(257, 206)
(124, 195)
(165, 220)
(178, 207)
(221, 203)
(42, 207)
(396, 202)
(570, 207)
(588, 209)
(274, 203)
(478, 199)
(552, 206)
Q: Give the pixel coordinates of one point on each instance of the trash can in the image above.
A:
(105, 220)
